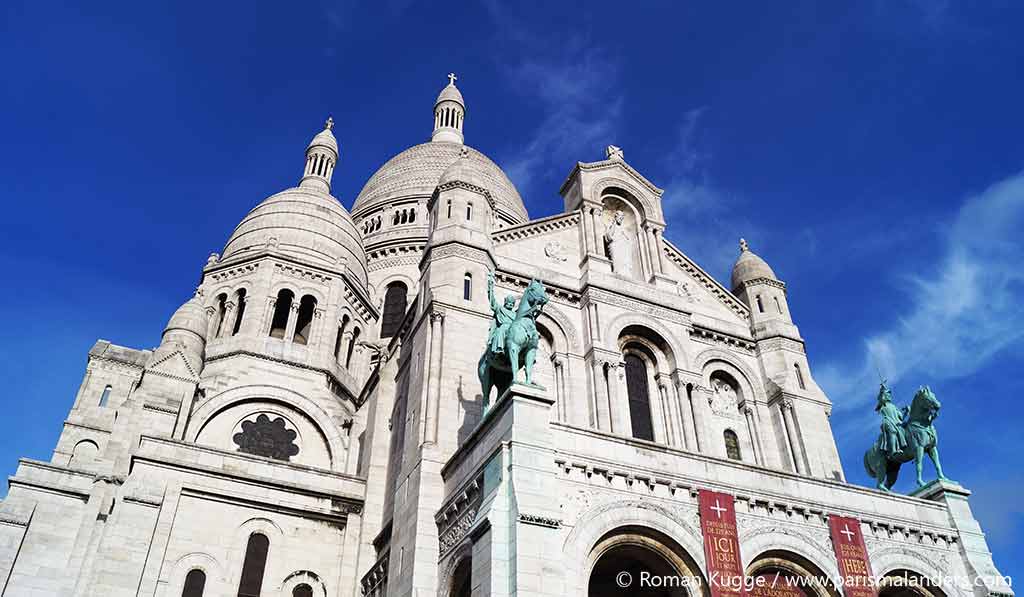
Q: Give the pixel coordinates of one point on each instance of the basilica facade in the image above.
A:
(312, 423)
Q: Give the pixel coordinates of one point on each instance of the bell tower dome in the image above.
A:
(449, 113)
(321, 158)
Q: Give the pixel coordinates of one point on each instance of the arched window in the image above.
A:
(302, 590)
(304, 322)
(639, 398)
(732, 445)
(461, 577)
(351, 347)
(395, 303)
(105, 396)
(195, 582)
(254, 565)
(239, 311)
(467, 286)
(84, 452)
(760, 305)
(221, 308)
(469, 212)
(778, 305)
(283, 304)
(799, 376)
(449, 209)
(412, 215)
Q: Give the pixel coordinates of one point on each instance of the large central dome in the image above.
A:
(416, 171)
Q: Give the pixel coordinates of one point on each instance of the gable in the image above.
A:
(547, 245)
(704, 292)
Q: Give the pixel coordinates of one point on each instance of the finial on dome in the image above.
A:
(321, 158)
(743, 245)
(449, 113)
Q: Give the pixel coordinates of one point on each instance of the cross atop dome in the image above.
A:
(329, 125)
(743, 245)
(452, 79)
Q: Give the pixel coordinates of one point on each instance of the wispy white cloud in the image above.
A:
(703, 217)
(576, 87)
(961, 313)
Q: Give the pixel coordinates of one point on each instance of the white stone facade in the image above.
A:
(320, 392)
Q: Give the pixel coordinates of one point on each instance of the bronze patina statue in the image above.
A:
(512, 340)
(906, 434)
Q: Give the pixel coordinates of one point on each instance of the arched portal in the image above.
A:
(640, 562)
(906, 583)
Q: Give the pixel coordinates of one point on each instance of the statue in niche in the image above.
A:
(619, 246)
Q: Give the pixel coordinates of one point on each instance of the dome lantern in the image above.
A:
(449, 113)
(321, 158)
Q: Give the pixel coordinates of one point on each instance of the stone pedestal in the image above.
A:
(515, 534)
(986, 579)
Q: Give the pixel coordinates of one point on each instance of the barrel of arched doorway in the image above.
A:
(906, 583)
(637, 561)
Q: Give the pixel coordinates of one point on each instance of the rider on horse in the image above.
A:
(892, 440)
(504, 315)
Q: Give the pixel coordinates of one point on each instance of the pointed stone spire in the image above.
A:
(449, 113)
(321, 158)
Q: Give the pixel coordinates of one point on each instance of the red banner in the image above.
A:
(721, 544)
(852, 556)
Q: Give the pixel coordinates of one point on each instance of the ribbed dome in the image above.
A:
(324, 138)
(450, 93)
(305, 224)
(416, 172)
(190, 317)
(749, 266)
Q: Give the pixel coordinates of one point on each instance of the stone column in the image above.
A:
(685, 415)
(268, 315)
(599, 416)
(595, 325)
(669, 414)
(657, 259)
(701, 416)
(595, 214)
(791, 436)
(644, 249)
(562, 412)
(293, 318)
(317, 328)
(211, 318)
(434, 382)
(227, 323)
(755, 436)
(618, 398)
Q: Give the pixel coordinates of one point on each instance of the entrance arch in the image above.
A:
(641, 562)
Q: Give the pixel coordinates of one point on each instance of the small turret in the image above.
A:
(755, 283)
(321, 158)
(449, 113)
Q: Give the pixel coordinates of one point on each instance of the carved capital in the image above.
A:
(558, 362)
(748, 409)
(828, 410)
(294, 307)
(437, 316)
(786, 405)
(211, 310)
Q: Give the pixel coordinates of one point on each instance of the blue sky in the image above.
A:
(872, 152)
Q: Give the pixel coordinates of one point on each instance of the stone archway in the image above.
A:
(640, 562)
(907, 583)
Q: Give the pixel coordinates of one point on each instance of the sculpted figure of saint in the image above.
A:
(620, 249)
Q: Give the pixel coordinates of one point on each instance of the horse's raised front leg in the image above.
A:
(483, 372)
(919, 463)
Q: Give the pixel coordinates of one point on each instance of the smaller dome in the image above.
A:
(467, 171)
(749, 266)
(450, 93)
(190, 317)
(325, 138)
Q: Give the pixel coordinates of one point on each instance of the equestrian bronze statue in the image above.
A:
(512, 340)
(906, 434)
